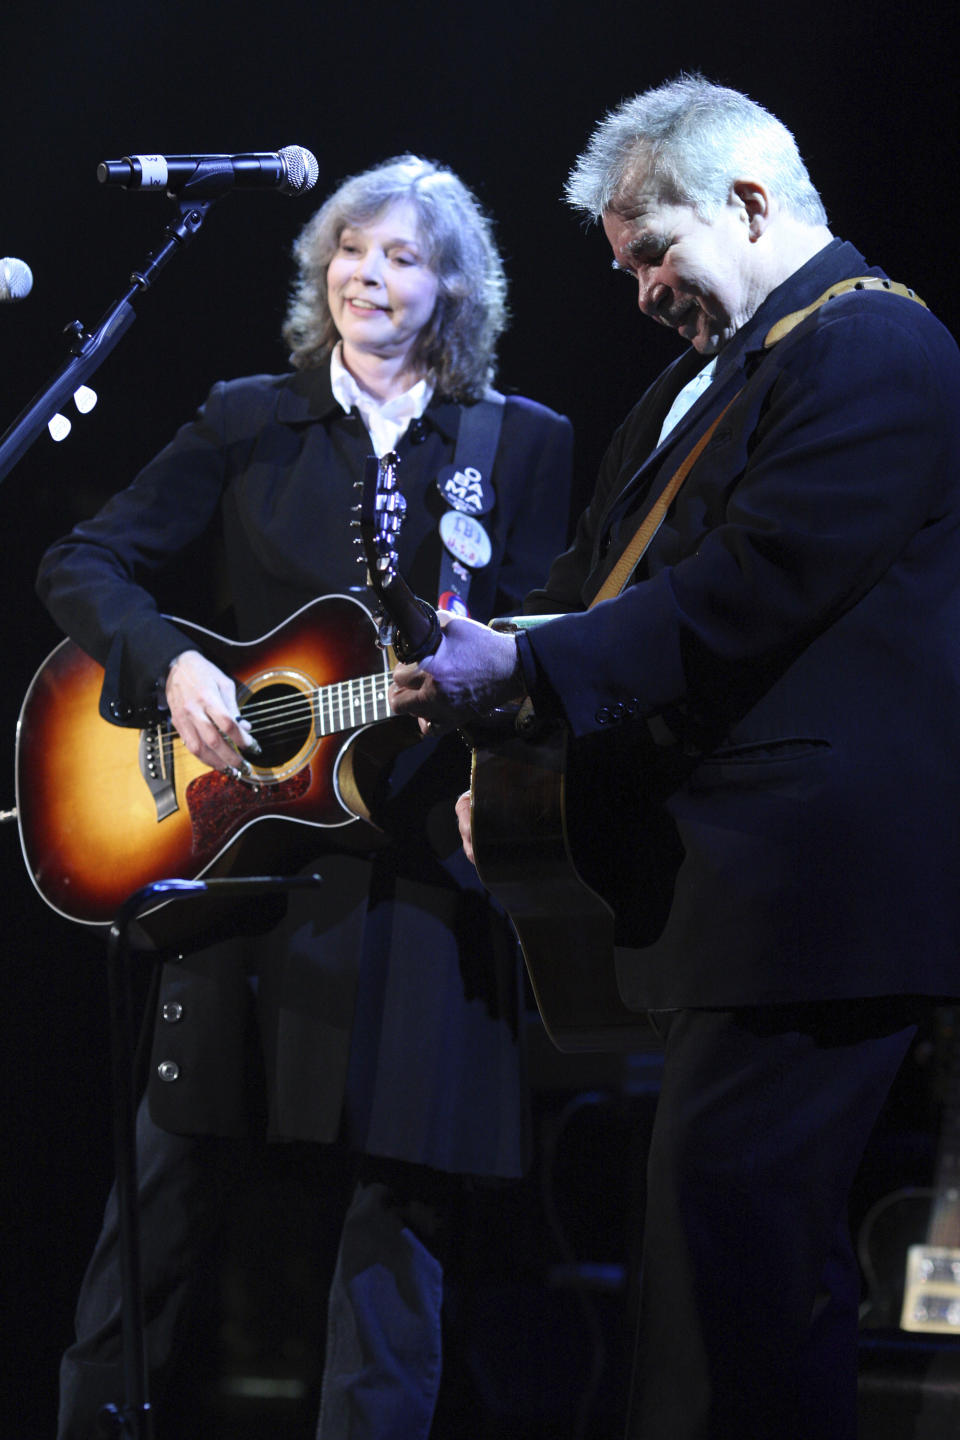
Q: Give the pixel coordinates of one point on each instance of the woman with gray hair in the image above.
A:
(458, 343)
(378, 1020)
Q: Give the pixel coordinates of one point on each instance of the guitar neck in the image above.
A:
(348, 704)
(414, 630)
(415, 624)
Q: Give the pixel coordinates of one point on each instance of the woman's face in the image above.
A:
(380, 289)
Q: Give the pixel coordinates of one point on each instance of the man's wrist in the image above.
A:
(519, 689)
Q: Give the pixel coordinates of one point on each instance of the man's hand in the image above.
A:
(203, 708)
(474, 670)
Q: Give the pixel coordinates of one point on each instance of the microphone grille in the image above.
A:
(301, 167)
(16, 278)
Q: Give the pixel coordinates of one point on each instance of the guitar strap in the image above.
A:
(632, 555)
(467, 489)
(619, 576)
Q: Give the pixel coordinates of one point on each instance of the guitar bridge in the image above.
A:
(155, 757)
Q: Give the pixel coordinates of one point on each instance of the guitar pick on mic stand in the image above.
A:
(88, 350)
(199, 180)
(132, 1419)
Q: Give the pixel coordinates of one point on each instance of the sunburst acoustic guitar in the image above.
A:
(104, 810)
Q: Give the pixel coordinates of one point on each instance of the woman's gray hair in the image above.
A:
(458, 345)
(695, 138)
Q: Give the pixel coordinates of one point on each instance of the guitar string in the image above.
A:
(272, 717)
(343, 694)
(353, 697)
(337, 701)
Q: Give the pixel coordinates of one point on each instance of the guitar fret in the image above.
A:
(349, 703)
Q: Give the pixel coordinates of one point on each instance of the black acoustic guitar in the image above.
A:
(521, 838)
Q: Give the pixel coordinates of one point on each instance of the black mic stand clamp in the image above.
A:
(89, 350)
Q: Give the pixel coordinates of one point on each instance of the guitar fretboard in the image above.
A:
(278, 720)
(350, 703)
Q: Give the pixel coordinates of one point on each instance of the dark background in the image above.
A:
(505, 93)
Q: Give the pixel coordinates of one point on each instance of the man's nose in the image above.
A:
(651, 293)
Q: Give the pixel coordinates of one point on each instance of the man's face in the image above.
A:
(697, 276)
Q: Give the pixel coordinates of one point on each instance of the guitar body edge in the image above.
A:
(565, 928)
(91, 831)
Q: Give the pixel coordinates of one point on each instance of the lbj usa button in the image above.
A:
(466, 539)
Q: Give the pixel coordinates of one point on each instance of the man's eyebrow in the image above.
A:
(651, 242)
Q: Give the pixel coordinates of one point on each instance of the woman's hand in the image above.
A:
(204, 711)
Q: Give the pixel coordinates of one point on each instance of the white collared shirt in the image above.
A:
(386, 420)
(685, 398)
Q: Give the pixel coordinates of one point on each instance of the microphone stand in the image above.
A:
(133, 1420)
(88, 351)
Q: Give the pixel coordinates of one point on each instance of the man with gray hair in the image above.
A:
(754, 631)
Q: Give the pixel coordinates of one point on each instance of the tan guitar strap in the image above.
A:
(859, 282)
(642, 536)
(648, 527)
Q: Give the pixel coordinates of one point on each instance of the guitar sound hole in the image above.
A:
(280, 716)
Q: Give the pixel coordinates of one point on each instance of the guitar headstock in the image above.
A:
(382, 509)
(409, 624)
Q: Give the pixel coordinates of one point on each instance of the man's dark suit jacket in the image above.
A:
(794, 628)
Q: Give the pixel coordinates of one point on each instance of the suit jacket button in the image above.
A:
(172, 1011)
(603, 715)
(168, 1070)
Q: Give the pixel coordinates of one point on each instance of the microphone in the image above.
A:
(16, 279)
(291, 170)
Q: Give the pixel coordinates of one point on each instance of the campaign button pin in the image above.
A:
(451, 601)
(465, 489)
(466, 539)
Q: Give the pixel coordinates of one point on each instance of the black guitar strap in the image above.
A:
(467, 489)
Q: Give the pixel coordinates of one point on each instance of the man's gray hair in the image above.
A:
(695, 138)
(458, 344)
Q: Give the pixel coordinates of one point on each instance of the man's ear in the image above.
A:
(754, 199)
